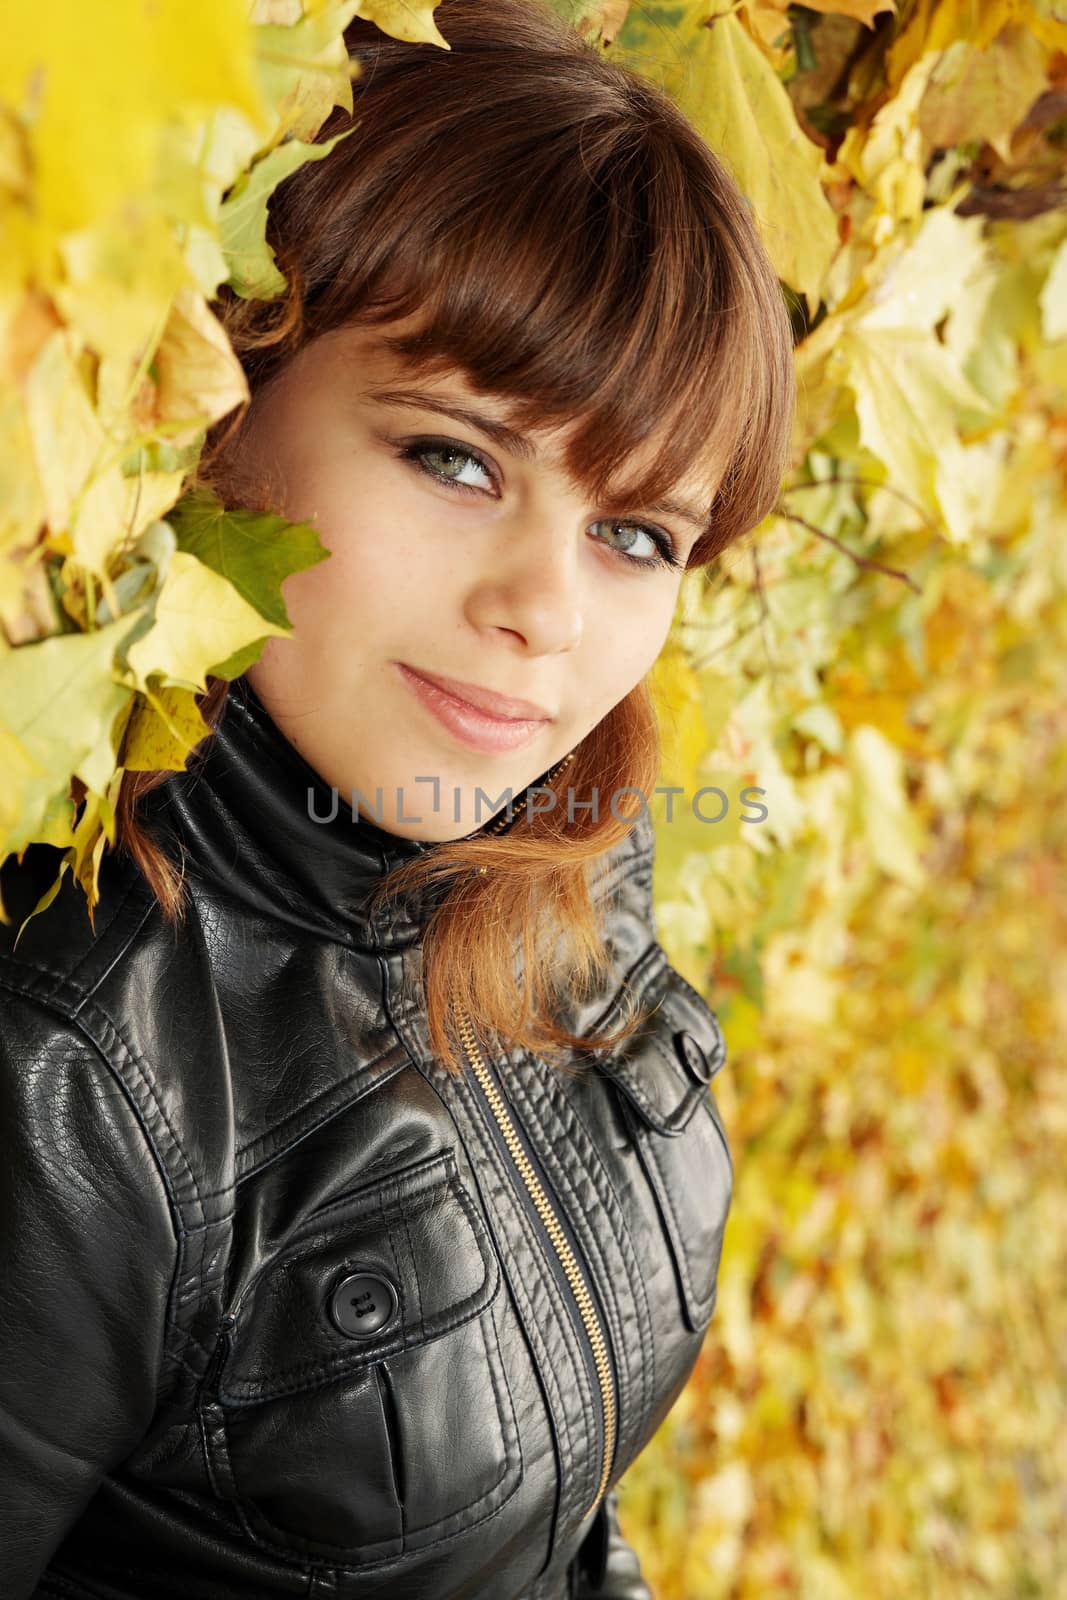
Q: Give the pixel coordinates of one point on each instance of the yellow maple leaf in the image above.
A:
(84, 492)
(731, 93)
(200, 622)
(887, 157)
(909, 394)
(93, 83)
(164, 728)
(198, 377)
(412, 20)
(60, 699)
(115, 294)
(686, 737)
(932, 27)
(983, 94)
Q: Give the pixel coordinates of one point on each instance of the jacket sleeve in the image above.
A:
(87, 1255)
(606, 1567)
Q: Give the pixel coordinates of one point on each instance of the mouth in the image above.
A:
(472, 725)
(501, 707)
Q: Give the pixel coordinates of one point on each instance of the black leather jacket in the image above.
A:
(287, 1310)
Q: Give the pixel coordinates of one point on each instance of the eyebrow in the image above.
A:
(503, 435)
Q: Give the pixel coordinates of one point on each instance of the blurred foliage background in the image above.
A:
(881, 1405)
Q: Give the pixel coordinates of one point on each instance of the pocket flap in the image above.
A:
(414, 1237)
(664, 1077)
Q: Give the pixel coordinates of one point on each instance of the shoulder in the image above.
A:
(90, 1253)
(111, 1012)
(61, 954)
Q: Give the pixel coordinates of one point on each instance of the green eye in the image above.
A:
(419, 452)
(446, 449)
(665, 556)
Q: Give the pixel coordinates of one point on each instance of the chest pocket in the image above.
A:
(359, 1407)
(662, 1074)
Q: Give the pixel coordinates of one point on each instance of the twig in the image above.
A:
(861, 561)
(870, 483)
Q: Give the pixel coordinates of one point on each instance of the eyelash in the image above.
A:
(419, 447)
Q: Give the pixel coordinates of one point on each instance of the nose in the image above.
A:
(531, 587)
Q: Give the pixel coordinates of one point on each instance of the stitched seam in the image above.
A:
(149, 910)
(149, 1085)
(175, 1358)
(632, 1085)
(716, 1026)
(591, 1243)
(412, 1181)
(304, 1128)
(555, 1293)
(681, 1253)
(367, 1204)
(695, 1092)
(547, 1112)
(640, 1298)
(303, 1376)
(62, 980)
(600, 1173)
(194, 1296)
(560, 1417)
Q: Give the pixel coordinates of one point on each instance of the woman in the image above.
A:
(364, 1189)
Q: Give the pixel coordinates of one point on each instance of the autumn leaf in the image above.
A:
(113, 74)
(984, 94)
(254, 551)
(197, 376)
(253, 273)
(730, 91)
(164, 729)
(883, 658)
(405, 19)
(199, 624)
(60, 698)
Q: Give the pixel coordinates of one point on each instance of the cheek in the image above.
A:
(380, 572)
(624, 646)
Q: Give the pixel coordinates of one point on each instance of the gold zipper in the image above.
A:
(579, 1289)
(562, 1248)
(498, 824)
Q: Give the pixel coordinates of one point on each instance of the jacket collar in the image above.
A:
(244, 814)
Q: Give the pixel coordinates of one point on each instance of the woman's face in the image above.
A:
(473, 560)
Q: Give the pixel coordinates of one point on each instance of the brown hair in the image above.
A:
(574, 247)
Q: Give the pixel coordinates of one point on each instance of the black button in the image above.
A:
(362, 1304)
(692, 1057)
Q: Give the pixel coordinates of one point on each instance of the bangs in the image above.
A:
(568, 242)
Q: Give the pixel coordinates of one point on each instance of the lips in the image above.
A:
(469, 724)
(487, 701)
